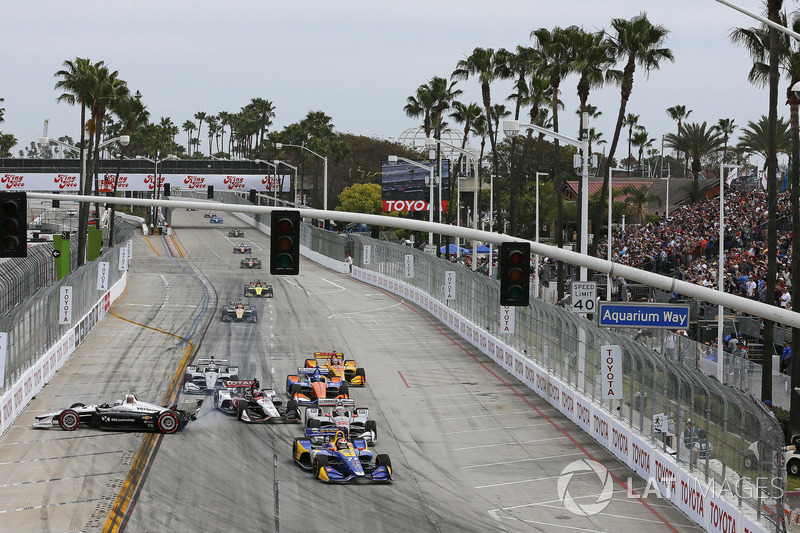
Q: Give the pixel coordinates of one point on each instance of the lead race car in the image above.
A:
(239, 311)
(242, 249)
(312, 384)
(250, 262)
(131, 414)
(216, 219)
(340, 460)
(249, 403)
(258, 289)
(207, 375)
(334, 415)
(339, 367)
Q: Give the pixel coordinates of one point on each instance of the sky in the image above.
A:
(357, 61)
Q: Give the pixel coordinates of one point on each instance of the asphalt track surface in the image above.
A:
(471, 448)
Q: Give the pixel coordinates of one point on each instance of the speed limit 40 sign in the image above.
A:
(584, 296)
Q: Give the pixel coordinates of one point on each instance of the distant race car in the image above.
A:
(250, 262)
(216, 220)
(239, 311)
(244, 399)
(207, 375)
(332, 415)
(235, 232)
(210, 214)
(340, 460)
(339, 367)
(258, 289)
(242, 249)
(191, 209)
(131, 414)
(312, 384)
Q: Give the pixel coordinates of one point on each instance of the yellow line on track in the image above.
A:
(151, 246)
(116, 515)
(177, 241)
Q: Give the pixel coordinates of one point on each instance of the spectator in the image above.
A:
(768, 407)
(669, 346)
(786, 357)
(349, 262)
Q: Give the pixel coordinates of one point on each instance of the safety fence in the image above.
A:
(33, 323)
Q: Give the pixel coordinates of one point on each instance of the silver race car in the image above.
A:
(131, 414)
(339, 414)
(249, 403)
(207, 375)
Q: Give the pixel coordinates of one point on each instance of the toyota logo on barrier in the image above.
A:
(578, 467)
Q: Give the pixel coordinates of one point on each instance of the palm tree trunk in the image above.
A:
(83, 210)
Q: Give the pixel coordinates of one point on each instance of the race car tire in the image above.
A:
(291, 407)
(320, 461)
(69, 420)
(372, 426)
(168, 422)
(383, 460)
(295, 388)
(241, 407)
(187, 378)
(259, 267)
(234, 377)
(344, 389)
(314, 423)
(79, 404)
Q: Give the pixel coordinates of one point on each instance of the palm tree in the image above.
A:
(639, 195)
(754, 139)
(696, 141)
(631, 122)
(264, 111)
(189, 126)
(2, 111)
(679, 113)
(466, 114)
(200, 116)
(487, 65)
(642, 141)
(421, 105)
(726, 127)
(636, 41)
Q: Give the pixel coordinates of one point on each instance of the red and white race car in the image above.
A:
(249, 403)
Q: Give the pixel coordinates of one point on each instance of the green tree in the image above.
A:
(696, 141)
(361, 198)
(189, 127)
(641, 140)
(754, 139)
(640, 196)
(631, 122)
(679, 113)
(7, 142)
(726, 127)
(635, 41)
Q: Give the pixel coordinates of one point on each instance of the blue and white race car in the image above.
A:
(216, 220)
(340, 460)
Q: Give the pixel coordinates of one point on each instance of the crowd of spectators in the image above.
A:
(686, 245)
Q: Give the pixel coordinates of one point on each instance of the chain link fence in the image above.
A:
(32, 321)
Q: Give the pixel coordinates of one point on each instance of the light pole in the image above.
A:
(512, 127)
(536, 278)
(393, 159)
(275, 167)
(324, 171)
(430, 144)
(278, 162)
(157, 192)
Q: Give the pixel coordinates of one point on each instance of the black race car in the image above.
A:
(131, 414)
(239, 311)
(235, 232)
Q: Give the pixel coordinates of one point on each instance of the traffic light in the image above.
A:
(285, 243)
(252, 196)
(166, 189)
(13, 224)
(211, 191)
(515, 273)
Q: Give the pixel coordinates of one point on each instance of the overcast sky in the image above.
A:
(355, 60)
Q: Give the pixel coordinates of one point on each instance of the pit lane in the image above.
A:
(471, 449)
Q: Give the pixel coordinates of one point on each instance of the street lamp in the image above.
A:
(324, 171)
(393, 159)
(472, 155)
(157, 193)
(512, 127)
(536, 277)
(279, 162)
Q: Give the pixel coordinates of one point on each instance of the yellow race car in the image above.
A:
(338, 366)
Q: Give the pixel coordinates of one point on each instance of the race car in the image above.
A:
(339, 367)
(191, 209)
(132, 414)
(332, 415)
(258, 289)
(235, 232)
(242, 249)
(312, 384)
(216, 220)
(208, 375)
(244, 399)
(239, 311)
(340, 460)
(250, 262)
(210, 214)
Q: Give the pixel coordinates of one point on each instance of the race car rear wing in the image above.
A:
(309, 371)
(239, 384)
(333, 402)
(212, 361)
(328, 355)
